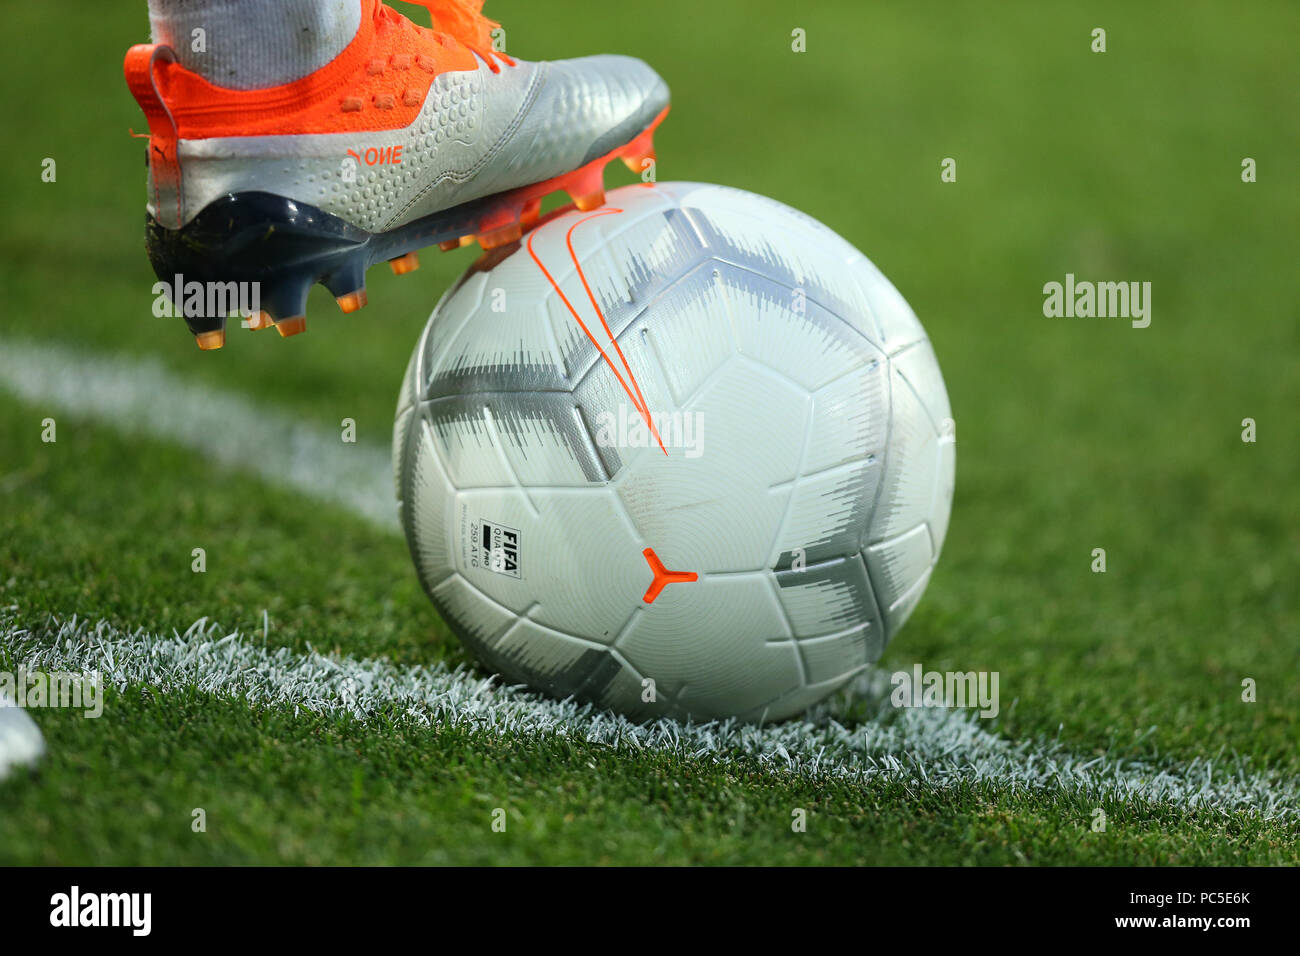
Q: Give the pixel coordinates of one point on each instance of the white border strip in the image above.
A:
(935, 748)
(141, 397)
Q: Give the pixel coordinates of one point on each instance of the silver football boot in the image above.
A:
(410, 137)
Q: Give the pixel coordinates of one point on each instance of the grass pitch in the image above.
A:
(1073, 434)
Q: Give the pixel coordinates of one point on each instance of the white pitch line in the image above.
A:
(141, 397)
(933, 748)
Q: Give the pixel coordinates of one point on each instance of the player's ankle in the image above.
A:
(252, 44)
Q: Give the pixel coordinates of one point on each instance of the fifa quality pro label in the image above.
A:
(494, 546)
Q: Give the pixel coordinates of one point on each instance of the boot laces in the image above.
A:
(463, 22)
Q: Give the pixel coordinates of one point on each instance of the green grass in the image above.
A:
(1073, 435)
(275, 787)
(121, 550)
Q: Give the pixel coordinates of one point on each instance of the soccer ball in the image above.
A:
(685, 455)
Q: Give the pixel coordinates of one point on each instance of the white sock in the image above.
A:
(251, 44)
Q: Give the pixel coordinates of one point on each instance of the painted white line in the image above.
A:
(141, 397)
(933, 748)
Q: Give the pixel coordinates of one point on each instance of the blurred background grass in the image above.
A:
(1073, 433)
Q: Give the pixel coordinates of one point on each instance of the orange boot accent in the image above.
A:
(532, 212)
(636, 153)
(346, 94)
(404, 264)
(144, 63)
(500, 236)
(211, 341)
(353, 300)
(515, 208)
(587, 187)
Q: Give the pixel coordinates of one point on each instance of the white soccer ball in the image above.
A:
(686, 455)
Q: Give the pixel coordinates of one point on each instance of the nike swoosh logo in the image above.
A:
(633, 390)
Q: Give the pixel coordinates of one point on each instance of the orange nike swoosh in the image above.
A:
(636, 398)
